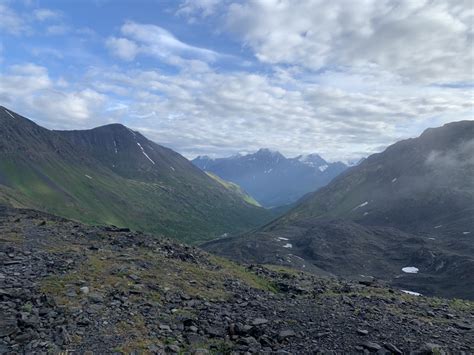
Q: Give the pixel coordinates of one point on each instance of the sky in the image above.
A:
(340, 78)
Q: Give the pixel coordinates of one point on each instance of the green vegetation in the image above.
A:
(234, 188)
(79, 176)
(105, 198)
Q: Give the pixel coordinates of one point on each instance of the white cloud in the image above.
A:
(30, 89)
(339, 79)
(57, 30)
(122, 48)
(68, 108)
(198, 8)
(46, 14)
(11, 22)
(427, 41)
(22, 81)
(155, 41)
(209, 112)
(224, 113)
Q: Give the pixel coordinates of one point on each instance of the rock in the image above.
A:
(173, 348)
(284, 334)
(249, 341)
(84, 290)
(463, 326)
(431, 348)
(366, 280)
(27, 336)
(134, 277)
(165, 328)
(213, 332)
(96, 297)
(8, 325)
(393, 349)
(71, 294)
(362, 332)
(259, 321)
(371, 346)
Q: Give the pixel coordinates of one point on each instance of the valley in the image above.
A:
(411, 205)
(113, 175)
(236, 177)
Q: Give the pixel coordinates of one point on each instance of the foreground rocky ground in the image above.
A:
(66, 286)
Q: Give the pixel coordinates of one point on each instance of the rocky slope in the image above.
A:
(347, 249)
(271, 178)
(419, 185)
(70, 287)
(113, 175)
(410, 206)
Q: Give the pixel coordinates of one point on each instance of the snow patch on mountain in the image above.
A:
(145, 154)
(363, 204)
(413, 293)
(410, 270)
(9, 113)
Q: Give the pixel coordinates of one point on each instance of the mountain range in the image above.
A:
(271, 178)
(340, 271)
(405, 215)
(114, 175)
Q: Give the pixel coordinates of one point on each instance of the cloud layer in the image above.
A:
(429, 41)
(310, 76)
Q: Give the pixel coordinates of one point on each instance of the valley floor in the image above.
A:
(67, 286)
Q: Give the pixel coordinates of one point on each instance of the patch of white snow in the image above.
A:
(466, 233)
(413, 293)
(323, 167)
(281, 238)
(361, 205)
(9, 114)
(410, 270)
(172, 168)
(89, 177)
(115, 147)
(288, 245)
(145, 154)
(394, 179)
(436, 227)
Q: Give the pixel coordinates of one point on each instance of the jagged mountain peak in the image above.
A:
(268, 152)
(270, 177)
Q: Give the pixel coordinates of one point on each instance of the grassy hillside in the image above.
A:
(234, 188)
(42, 170)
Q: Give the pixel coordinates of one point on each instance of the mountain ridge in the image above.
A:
(79, 175)
(411, 206)
(271, 178)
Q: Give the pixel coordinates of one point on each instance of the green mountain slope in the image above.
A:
(69, 176)
(235, 188)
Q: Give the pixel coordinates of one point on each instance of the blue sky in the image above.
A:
(221, 77)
